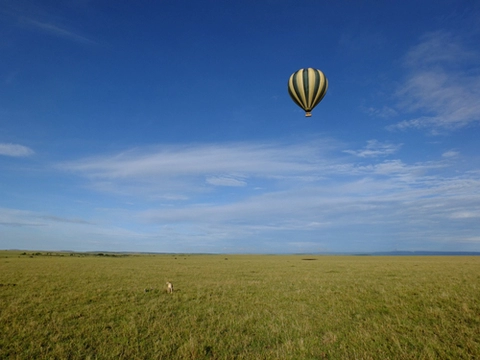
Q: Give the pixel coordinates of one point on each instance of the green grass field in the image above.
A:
(63, 306)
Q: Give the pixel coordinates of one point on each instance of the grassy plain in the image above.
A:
(63, 306)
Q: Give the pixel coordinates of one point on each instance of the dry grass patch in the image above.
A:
(249, 307)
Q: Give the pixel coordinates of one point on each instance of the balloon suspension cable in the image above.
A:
(308, 114)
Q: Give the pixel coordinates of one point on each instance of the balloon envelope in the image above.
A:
(307, 87)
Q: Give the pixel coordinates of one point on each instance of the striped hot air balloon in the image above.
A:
(307, 87)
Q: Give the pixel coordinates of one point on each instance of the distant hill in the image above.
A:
(421, 253)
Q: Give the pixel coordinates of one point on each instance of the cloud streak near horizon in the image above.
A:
(311, 188)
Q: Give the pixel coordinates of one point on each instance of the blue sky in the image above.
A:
(166, 126)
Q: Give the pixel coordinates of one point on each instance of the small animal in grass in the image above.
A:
(169, 287)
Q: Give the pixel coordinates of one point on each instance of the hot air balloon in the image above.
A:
(307, 87)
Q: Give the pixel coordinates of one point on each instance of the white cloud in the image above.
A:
(57, 31)
(450, 154)
(214, 195)
(181, 171)
(442, 86)
(465, 215)
(439, 48)
(23, 218)
(225, 181)
(254, 158)
(385, 112)
(375, 148)
(473, 239)
(258, 197)
(15, 150)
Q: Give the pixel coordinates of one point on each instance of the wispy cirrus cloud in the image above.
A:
(219, 194)
(375, 148)
(442, 86)
(255, 158)
(174, 171)
(15, 150)
(450, 154)
(24, 218)
(275, 165)
(260, 197)
(35, 15)
(439, 48)
(228, 180)
(56, 30)
(385, 112)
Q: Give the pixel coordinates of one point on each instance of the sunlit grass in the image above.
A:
(239, 307)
